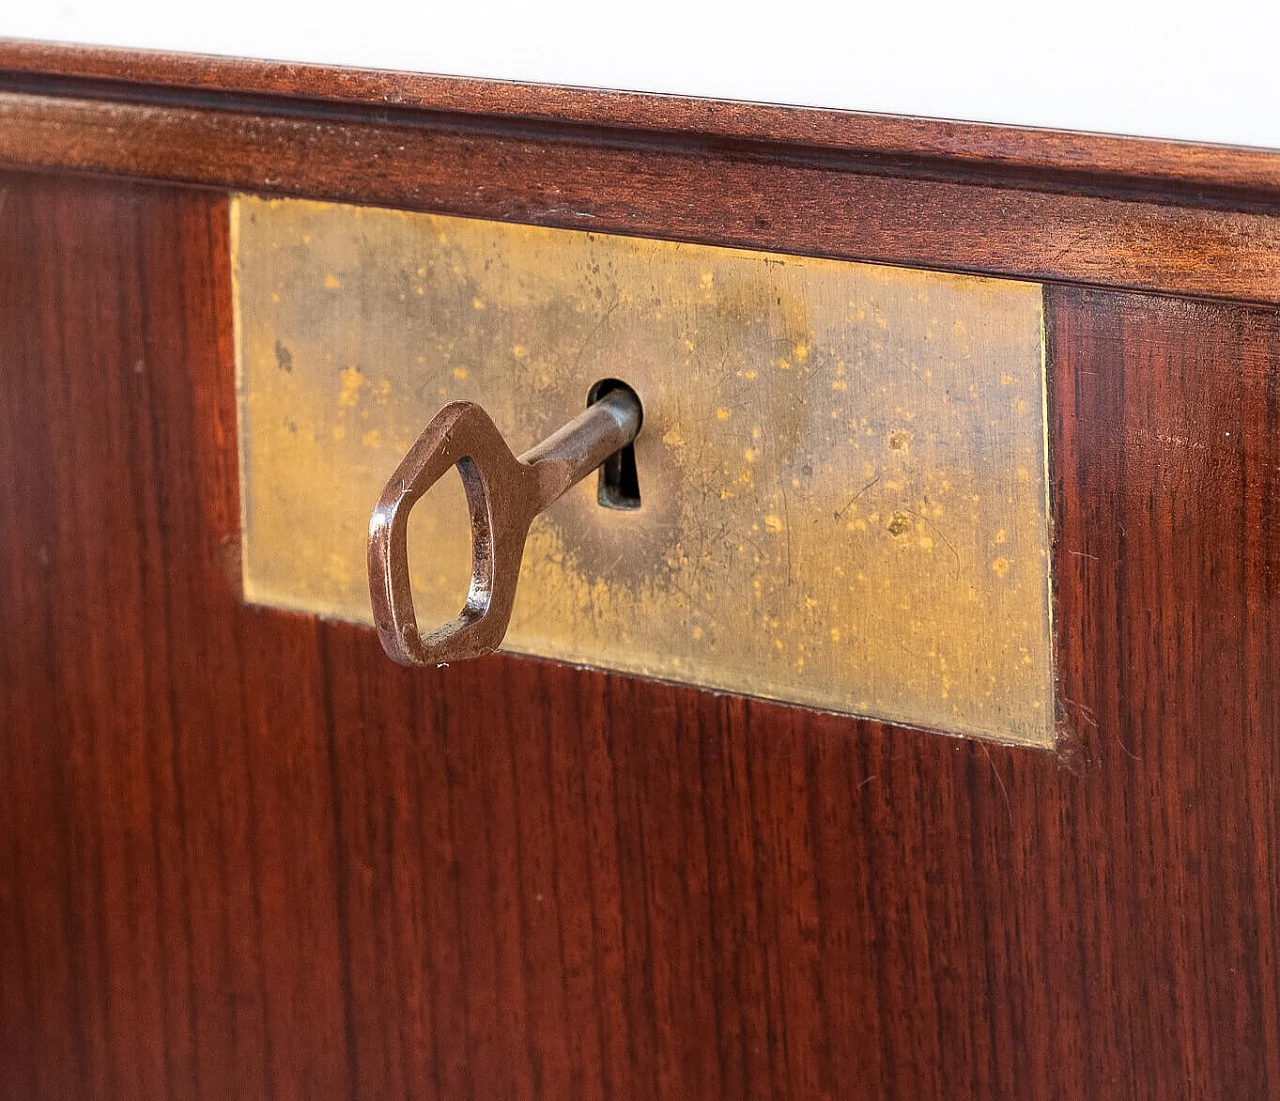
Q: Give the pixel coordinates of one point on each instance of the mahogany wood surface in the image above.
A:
(1175, 218)
(901, 140)
(242, 854)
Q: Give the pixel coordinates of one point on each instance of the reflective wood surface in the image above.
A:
(241, 854)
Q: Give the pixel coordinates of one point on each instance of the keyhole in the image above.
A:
(618, 484)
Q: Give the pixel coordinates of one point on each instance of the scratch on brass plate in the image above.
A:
(842, 466)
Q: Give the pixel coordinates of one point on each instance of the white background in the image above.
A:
(1200, 71)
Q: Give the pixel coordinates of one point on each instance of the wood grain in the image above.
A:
(677, 194)
(241, 854)
(1198, 221)
(902, 142)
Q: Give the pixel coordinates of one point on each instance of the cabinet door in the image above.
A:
(242, 854)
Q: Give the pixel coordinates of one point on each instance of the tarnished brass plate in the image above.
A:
(842, 466)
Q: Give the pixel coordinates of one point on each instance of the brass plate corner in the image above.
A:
(843, 467)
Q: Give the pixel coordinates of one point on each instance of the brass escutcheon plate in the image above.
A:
(843, 467)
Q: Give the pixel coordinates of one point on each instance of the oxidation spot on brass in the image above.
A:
(900, 524)
(842, 467)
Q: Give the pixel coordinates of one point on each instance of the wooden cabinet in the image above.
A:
(242, 854)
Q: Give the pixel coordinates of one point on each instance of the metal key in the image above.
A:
(504, 494)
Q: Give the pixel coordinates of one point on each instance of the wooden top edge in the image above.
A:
(1168, 163)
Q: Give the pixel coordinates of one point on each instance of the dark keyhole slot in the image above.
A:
(619, 483)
